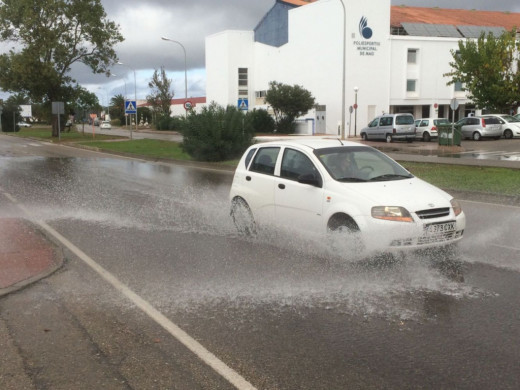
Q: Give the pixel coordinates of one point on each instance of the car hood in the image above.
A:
(413, 194)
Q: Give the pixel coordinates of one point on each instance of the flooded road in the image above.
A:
(282, 310)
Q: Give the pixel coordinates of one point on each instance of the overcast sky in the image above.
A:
(144, 22)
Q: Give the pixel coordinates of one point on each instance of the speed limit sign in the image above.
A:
(188, 105)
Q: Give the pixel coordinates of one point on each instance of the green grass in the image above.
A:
(143, 147)
(490, 180)
(45, 133)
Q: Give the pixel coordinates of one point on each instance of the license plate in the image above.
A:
(438, 228)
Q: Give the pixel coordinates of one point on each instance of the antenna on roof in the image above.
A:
(341, 142)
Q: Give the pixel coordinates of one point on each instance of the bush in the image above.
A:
(170, 123)
(217, 133)
(261, 121)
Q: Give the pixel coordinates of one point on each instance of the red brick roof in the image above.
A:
(457, 17)
(299, 2)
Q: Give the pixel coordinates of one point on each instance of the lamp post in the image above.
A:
(356, 89)
(343, 108)
(185, 68)
(135, 96)
(106, 95)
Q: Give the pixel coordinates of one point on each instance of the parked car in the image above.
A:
(105, 125)
(510, 124)
(390, 127)
(23, 124)
(478, 127)
(426, 128)
(333, 186)
(517, 116)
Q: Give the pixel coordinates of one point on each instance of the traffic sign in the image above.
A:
(188, 105)
(454, 104)
(243, 104)
(130, 107)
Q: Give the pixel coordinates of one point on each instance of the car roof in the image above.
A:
(311, 143)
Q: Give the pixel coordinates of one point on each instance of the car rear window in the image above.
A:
(404, 120)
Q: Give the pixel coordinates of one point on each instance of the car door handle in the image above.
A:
(281, 186)
(248, 178)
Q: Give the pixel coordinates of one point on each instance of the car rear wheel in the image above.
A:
(389, 138)
(426, 137)
(508, 134)
(477, 136)
(243, 217)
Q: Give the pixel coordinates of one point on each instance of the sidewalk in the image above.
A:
(25, 255)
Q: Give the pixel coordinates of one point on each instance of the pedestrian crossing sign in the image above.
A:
(130, 107)
(243, 104)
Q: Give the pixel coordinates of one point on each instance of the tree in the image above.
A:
(162, 95)
(288, 103)
(118, 111)
(51, 36)
(489, 70)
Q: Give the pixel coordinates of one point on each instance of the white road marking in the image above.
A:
(193, 345)
(506, 247)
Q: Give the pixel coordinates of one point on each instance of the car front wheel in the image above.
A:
(243, 217)
(508, 134)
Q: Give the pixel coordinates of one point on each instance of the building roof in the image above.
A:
(458, 17)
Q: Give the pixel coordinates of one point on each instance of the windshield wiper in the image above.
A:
(390, 176)
(350, 179)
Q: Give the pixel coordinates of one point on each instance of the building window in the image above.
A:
(412, 56)
(242, 92)
(457, 86)
(411, 85)
(242, 77)
(261, 94)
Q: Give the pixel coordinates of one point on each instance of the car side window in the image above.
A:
(374, 123)
(249, 157)
(386, 121)
(424, 123)
(265, 160)
(473, 121)
(296, 165)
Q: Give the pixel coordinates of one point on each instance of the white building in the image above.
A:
(395, 58)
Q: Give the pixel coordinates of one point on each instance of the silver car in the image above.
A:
(478, 127)
(510, 125)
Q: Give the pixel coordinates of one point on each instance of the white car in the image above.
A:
(105, 125)
(327, 185)
(427, 128)
(23, 124)
(510, 125)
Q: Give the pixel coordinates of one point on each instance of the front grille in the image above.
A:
(433, 213)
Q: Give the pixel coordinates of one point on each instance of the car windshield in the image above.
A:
(509, 118)
(360, 164)
(441, 121)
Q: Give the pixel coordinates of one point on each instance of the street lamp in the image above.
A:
(356, 89)
(135, 96)
(343, 108)
(185, 68)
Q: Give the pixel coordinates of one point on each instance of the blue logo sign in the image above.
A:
(364, 30)
(243, 104)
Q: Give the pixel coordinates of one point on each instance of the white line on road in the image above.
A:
(193, 345)
(506, 247)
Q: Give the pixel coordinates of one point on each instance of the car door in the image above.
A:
(371, 130)
(299, 191)
(258, 188)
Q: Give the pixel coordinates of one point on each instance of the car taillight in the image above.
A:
(483, 122)
(434, 128)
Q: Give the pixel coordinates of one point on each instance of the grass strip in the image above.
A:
(490, 180)
(143, 147)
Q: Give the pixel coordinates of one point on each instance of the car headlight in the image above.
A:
(456, 207)
(392, 213)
